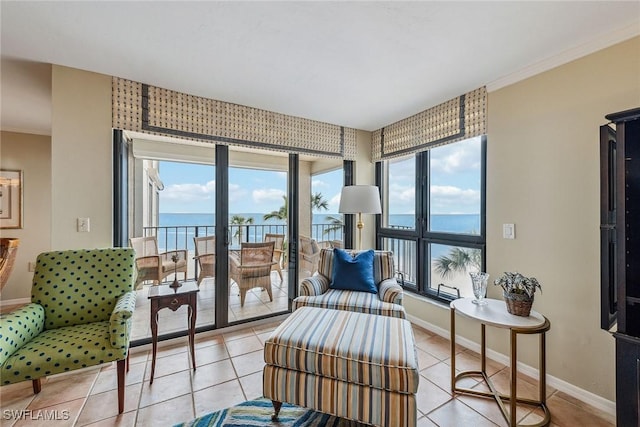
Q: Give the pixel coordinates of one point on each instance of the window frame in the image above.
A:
(421, 235)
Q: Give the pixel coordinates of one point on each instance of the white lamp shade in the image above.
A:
(360, 199)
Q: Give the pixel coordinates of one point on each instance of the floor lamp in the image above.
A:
(359, 199)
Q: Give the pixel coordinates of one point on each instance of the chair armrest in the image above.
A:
(120, 320)
(390, 291)
(148, 261)
(18, 327)
(206, 258)
(313, 286)
(181, 253)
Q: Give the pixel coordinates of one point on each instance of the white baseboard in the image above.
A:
(17, 301)
(585, 396)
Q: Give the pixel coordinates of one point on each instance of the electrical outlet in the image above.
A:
(31, 267)
(84, 225)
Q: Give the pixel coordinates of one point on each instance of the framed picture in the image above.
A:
(10, 199)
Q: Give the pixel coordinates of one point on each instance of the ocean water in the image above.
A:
(203, 224)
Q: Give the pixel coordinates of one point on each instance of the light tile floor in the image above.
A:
(229, 371)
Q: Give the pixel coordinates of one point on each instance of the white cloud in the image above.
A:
(318, 184)
(267, 195)
(189, 192)
(454, 158)
(334, 203)
(447, 199)
(236, 192)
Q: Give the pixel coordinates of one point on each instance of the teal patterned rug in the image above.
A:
(258, 413)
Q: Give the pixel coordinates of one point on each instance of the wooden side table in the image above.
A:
(163, 296)
(495, 314)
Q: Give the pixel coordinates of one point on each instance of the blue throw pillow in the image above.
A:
(353, 273)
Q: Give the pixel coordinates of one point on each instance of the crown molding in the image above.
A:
(594, 45)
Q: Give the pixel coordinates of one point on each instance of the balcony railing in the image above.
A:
(181, 236)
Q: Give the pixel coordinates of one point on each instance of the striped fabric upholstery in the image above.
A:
(348, 364)
(351, 401)
(382, 264)
(360, 302)
(315, 292)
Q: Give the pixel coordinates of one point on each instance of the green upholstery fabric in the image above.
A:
(120, 321)
(77, 287)
(61, 350)
(80, 315)
(19, 327)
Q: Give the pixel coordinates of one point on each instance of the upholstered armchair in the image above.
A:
(80, 314)
(155, 266)
(315, 291)
(252, 268)
(206, 256)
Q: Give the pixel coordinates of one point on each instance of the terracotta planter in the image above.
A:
(518, 304)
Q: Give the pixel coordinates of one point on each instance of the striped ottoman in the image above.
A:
(357, 366)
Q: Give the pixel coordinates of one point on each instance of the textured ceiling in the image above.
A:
(357, 64)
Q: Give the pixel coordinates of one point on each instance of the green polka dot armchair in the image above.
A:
(80, 314)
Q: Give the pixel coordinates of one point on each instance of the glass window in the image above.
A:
(404, 252)
(451, 265)
(454, 190)
(399, 193)
(433, 218)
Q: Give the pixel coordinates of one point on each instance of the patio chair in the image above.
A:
(278, 251)
(206, 256)
(252, 268)
(155, 266)
(309, 256)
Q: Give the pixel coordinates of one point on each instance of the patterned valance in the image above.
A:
(144, 108)
(460, 118)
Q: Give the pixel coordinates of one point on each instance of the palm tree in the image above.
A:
(318, 202)
(459, 260)
(336, 224)
(280, 214)
(240, 221)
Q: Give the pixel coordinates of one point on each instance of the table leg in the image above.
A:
(154, 339)
(543, 369)
(192, 330)
(514, 378)
(453, 349)
(483, 348)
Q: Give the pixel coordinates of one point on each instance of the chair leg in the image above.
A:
(268, 288)
(121, 369)
(37, 386)
(128, 352)
(243, 294)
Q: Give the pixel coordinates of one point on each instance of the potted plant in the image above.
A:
(518, 291)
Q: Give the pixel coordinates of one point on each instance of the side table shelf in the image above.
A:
(495, 314)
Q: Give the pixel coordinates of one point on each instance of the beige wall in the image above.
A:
(543, 175)
(81, 161)
(32, 155)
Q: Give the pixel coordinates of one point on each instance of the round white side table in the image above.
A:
(495, 314)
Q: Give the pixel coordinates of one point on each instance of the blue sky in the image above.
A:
(190, 188)
(455, 185)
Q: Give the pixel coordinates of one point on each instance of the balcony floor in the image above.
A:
(256, 304)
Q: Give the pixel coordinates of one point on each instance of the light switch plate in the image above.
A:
(84, 226)
(508, 231)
